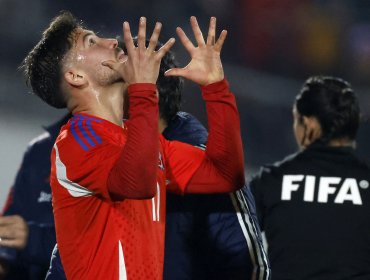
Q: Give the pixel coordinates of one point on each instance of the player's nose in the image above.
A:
(112, 43)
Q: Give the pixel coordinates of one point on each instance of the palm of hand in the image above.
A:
(205, 66)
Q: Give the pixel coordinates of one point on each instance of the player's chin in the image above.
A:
(117, 78)
(120, 80)
(113, 79)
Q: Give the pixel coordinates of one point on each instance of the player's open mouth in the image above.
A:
(122, 56)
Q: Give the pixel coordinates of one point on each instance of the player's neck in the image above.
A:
(105, 103)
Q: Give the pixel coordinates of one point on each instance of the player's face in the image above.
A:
(298, 127)
(90, 51)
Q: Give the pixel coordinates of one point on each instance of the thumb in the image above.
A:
(174, 72)
(110, 63)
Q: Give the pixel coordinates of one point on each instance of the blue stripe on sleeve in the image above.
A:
(92, 132)
(84, 133)
(75, 135)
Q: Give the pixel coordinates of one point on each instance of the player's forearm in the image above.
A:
(224, 154)
(134, 174)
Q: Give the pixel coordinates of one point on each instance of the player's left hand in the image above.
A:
(13, 232)
(205, 66)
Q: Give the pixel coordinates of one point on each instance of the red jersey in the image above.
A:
(98, 237)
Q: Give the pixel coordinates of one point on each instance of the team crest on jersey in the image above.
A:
(160, 162)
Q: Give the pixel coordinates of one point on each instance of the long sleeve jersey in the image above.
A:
(100, 236)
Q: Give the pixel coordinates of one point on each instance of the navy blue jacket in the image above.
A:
(207, 236)
(210, 236)
(30, 197)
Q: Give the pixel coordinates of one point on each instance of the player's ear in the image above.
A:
(313, 127)
(75, 78)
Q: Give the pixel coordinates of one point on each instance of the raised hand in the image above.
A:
(142, 63)
(205, 66)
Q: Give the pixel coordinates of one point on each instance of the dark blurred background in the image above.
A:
(272, 47)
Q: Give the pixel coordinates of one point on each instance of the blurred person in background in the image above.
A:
(314, 206)
(27, 226)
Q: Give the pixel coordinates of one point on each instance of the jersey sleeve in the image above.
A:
(97, 157)
(136, 167)
(258, 186)
(220, 168)
(181, 160)
(83, 170)
(15, 202)
(8, 202)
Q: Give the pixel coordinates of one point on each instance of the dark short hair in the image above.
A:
(169, 88)
(335, 105)
(42, 66)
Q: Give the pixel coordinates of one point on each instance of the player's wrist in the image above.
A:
(142, 87)
(217, 86)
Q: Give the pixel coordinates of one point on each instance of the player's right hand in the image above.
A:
(143, 63)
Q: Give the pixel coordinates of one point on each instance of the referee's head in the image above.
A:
(326, 110)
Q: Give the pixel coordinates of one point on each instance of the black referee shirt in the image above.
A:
(314, 207)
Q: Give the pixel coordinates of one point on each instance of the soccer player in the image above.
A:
(213, 236)
(314, 206)
(207, 236)
(107, 180)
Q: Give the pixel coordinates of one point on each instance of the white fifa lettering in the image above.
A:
(309, 188)
(325, 188)
(349, 191)
(290, 185)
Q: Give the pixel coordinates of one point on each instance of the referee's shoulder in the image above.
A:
(278, 167)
